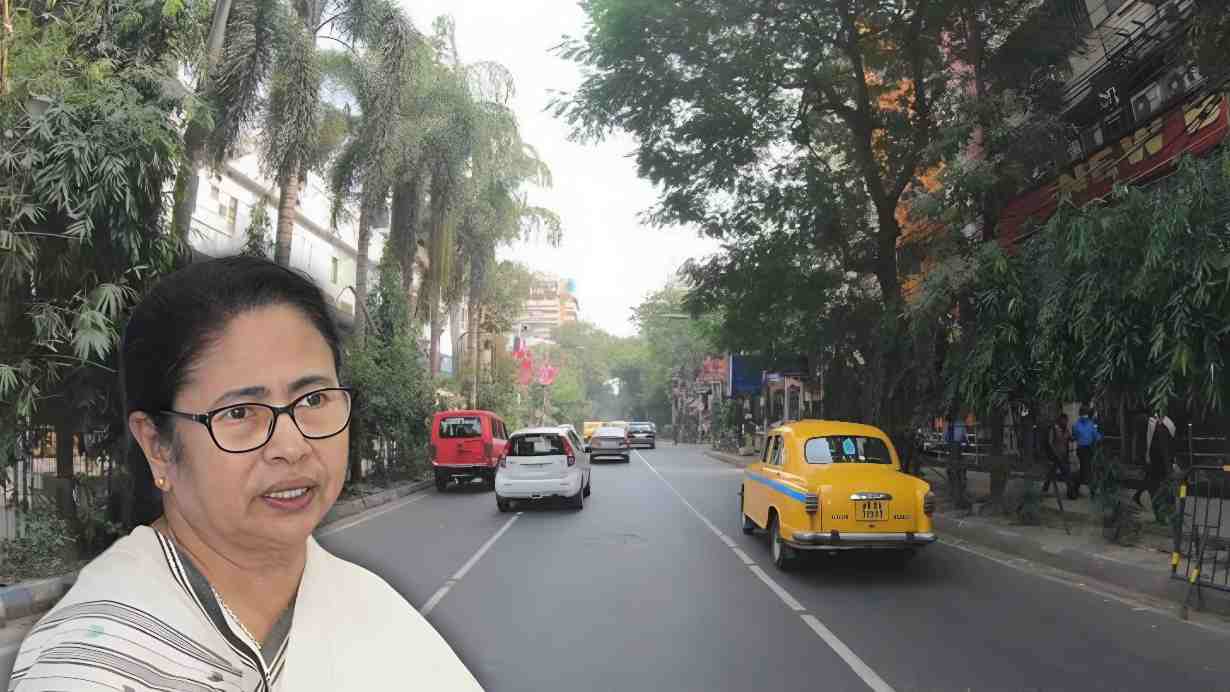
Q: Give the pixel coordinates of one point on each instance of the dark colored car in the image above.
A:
(642, 434)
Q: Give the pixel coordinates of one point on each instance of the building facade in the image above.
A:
(227, 198)
(551, 304)
(1134, 107)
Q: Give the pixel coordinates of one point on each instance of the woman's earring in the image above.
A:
(161, 483)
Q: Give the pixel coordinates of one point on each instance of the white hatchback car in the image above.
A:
(540, 463)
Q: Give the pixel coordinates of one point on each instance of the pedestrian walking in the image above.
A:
(1058, 449)
(230, 372)
(1086, 433)
(1159, 445)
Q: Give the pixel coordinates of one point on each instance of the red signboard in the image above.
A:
(1146, 153)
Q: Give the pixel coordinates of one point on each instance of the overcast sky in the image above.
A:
(615, 260)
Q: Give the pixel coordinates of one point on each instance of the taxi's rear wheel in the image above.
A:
(749, 526)
(783, 555)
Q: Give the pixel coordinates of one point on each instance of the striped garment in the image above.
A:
(142, 618)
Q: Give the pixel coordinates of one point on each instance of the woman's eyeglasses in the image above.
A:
(240, 428)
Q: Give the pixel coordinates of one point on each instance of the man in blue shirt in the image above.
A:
(1086, 434)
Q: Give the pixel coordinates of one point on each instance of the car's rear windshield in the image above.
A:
(461, 426)
(846, 449)
(610, 432)
(536, 445)
(640, 427)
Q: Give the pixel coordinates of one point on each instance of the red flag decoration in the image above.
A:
(526, 375)
(547, 375)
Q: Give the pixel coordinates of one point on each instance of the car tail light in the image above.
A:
(504, 457)
(433, 453)
(489, 451)
(572, 457)
(929, 504)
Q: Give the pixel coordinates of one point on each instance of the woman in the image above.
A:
(230, 375)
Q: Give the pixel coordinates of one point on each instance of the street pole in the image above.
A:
(478, 350)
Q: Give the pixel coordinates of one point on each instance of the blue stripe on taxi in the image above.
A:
(778, 485)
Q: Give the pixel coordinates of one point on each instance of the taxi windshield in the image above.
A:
(846, 449)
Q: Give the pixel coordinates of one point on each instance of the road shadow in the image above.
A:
(471, 487)
(547, 504)
(856, 569)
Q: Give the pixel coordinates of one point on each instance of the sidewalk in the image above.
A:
(1143, 568)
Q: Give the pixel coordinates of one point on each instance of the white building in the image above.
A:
(327, 253)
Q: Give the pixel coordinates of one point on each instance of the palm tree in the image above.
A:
(372, 156)
(495, 210)
(237, 60)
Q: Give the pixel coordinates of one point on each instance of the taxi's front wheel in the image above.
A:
(783, 555)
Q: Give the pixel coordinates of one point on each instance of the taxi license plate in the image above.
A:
(872, 511)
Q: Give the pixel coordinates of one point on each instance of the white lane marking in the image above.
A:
(435, 599)
(856, 664)
(441, 592)
(369, 515)
(864, 671)
(776, 588)
(461, 573)
(747, 559)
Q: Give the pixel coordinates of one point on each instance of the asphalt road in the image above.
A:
(653, 587)
(650, 588)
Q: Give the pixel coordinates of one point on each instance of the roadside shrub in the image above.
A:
(41, 549)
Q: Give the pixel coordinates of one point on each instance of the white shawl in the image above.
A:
(132, 620)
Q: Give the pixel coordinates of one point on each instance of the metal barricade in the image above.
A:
(1201, 554)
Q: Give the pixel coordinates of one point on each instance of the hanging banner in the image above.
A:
(546, 376)
(526, 373)
(1148, 152)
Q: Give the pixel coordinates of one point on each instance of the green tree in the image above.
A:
(256, 243)
(81, 207)
(386, 367)
(379, 81)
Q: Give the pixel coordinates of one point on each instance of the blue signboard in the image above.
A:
(745, 374)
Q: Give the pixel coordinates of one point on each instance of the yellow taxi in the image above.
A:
(827, 485)
(588, 428)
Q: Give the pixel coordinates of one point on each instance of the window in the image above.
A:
(1112, 6)
(333, 270)
(539, 445)
(846, 449)
(1076, 152)
(1146, 102)
(232, 215)
(461, 426)
(768, 450)
(1091, 138)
